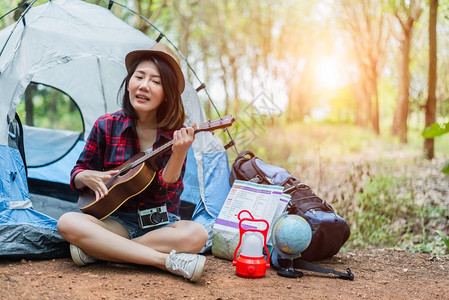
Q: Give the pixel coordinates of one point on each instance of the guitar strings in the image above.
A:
(151, 153)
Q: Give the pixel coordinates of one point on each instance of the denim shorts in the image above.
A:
(130, 222)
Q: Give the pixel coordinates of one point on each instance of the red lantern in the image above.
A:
(251, 262)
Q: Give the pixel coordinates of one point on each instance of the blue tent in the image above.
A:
(24, 232)
(88, 67)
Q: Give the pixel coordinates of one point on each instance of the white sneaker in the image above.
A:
(79, 257)
(189, 266)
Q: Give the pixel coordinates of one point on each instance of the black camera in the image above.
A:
(153, 217)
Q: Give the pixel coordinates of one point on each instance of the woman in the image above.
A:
(152, 114)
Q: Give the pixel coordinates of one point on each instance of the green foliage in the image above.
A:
(421, 238)
(51, 109)
(444, 238)
(380, 212)
(387, 211)
(435, 130)
(445, 169)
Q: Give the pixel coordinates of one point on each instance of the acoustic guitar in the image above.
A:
(134, 176)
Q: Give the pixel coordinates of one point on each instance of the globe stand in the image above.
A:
(291, 234)
(290, 272)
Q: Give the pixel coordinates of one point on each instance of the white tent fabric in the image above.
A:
(72, 45)
(79, 48)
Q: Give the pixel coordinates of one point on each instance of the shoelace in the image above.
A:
(180, 262)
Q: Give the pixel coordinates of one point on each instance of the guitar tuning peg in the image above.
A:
(202, 86)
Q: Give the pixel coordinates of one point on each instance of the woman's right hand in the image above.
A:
(95, 180)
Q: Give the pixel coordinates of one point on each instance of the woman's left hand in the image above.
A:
(183, 139)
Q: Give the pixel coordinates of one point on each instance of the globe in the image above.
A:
(291, 234)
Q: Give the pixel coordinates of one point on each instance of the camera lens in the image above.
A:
(156, 218)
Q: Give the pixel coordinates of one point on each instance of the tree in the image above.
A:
(365, 23)
(148, 8)
(231, 38)
(299, 45)
(406, 12)
(432, 78)
(29, 106)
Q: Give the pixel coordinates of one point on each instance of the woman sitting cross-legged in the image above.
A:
(152, 114)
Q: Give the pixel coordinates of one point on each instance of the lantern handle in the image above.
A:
(243, 231)
(244, 211)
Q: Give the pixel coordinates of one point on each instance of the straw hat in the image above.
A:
(164, 52)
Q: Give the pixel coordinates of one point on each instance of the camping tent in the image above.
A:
(77, 48)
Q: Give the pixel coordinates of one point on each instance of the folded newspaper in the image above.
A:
(262, 201)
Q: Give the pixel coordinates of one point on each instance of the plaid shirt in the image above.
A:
(112, 141)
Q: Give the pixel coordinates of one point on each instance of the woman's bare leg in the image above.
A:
(106, 240)
(182, 236)
(109, 240)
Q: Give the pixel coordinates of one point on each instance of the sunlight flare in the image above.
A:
(328, 73)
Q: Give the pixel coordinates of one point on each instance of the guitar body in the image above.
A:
(134, 176)
(120, 189)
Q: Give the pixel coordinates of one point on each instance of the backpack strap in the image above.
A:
(291, 185)
(245, 153)
(245, 168)
(303, 198)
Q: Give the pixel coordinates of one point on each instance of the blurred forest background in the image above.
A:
(338, 92)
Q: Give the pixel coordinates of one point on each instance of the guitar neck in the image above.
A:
(208, 126)
(146, 157)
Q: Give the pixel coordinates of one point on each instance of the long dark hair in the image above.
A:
(170, 114)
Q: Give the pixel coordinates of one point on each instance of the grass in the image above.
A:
(444, 238)
(389, 194)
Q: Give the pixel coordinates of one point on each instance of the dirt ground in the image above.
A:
(379, 273)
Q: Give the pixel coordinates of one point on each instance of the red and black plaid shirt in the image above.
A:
(112, 141)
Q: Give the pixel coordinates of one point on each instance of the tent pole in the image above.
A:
(111, 2)
(21, 18)
(14, 9)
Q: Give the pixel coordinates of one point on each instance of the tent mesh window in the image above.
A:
(49, 117)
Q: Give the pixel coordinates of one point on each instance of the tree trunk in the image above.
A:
(375, 108)
(407, 14)
(29, 106)
(365, 22)
(234, 70)
(370, 98)
(225, 83)
(402, 104)
(432, 79)
(53, 107)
